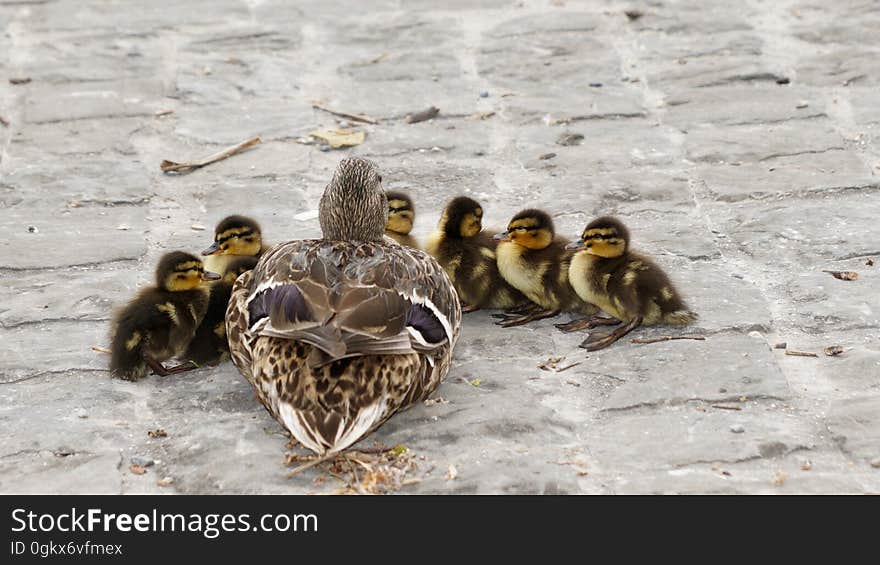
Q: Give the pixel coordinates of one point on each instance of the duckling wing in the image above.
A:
(349, 299)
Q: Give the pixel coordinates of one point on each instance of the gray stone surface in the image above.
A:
(739, 142)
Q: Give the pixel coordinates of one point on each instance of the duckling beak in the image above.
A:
(503, 236)
(579, 244)
(215, 248)
(209, 276)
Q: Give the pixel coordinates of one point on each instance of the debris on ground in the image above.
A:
(843, 275)
(481, 115)
(737, 428)
(568, 139)
(157, 433)
(806, 465)
(336, 138)
(19, 80)
(633, 15)
(794, 353)
(165, 482)
(451, 472)
(552, 364)
(171, 166)
(198, 227)
(666, 338)
(376, 470)
(833, 350)
(160, 113)
(869, 262)
(546, 156)
(141, 461)
(779, 478)
(780, 345)
(4, 121)
(100, 349)
(346, 115)
(423, 116)
(137, 469)
(433, 401)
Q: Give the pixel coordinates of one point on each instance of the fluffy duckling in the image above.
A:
(161, 320)
(467, 254)
(534, 261)
(233, 236)
(401, 215)
(209, 345)
(625, 284)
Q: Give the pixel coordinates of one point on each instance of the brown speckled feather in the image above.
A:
(337, 336)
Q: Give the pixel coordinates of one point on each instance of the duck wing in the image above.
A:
(351, 299)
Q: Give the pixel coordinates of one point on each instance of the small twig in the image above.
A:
(667, 338)
(19, 80)
(100, 349)
(423, 116)
(354, 117)
(169, 166)
(314, 462)
(160, 113)
(723, 407)
(567, 367)
(800, 353)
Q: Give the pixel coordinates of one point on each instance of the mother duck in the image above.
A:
(337, 334)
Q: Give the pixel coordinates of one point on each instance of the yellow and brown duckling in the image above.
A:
(533, 260)
(627, 285)
(234, 236)
(401, 216)
(160, 321)
(467, 254)
(209, 345)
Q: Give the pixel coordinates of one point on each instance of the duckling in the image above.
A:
(338, 334)
(234, 235)
(532, 259)
(160, 321)
(625, 284)
(209, 345)
(401, 216)
(467, 254)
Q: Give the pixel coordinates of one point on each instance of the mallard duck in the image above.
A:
(234, 235)
(337, 334)
(533, 260)
(401, 216)
(623, 283)
(160, 321)
(467, 253)
(209, 345)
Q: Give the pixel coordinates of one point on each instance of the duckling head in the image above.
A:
(401, 212)
(532, 229)
(236, 235)
(462, 218)
(238, 267)
(354, 206)
(178, 271)
(604, 237)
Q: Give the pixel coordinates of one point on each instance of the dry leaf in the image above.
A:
(137, 469)
(477, 382)
(451, 472)
(481, 115)
(165, 482)
(843, 275)
(779, 478)
(833, 350)
(337, 138)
